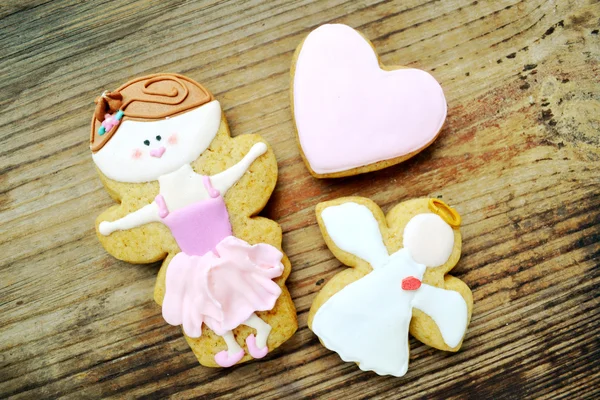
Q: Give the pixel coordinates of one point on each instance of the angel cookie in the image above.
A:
(398, 282)
(188, 193)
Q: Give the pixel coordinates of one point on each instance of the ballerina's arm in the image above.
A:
(223, 181)
(137, 218)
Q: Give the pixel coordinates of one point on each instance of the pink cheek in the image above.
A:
(137, 154)
(173, 139)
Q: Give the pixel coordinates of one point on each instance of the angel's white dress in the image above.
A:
(367, 321)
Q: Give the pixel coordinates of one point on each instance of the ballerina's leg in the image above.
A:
(232, 346)
(232, 355)
(257, 346)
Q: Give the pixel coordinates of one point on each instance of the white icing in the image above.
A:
(367, 322)
(354, 229)
(429, 239)
(183, 187)
(226, 179)
(144, 215)
(195, 131)
(448, 310)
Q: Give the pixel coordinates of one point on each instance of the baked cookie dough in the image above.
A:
(354, 115)
(397, 282)
(188, 194)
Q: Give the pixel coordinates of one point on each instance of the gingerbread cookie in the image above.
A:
(354, 115)
(397, 282)
(188, 195)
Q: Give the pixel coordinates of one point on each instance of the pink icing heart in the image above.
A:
(350, 113)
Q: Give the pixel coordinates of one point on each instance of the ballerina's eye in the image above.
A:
(147, 142)
(158, 138)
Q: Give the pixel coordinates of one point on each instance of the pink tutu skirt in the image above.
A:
(223, 288)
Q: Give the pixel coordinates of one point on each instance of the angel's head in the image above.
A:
(430, 236)
(152, 126)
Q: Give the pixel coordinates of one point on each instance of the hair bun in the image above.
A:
(108, 102)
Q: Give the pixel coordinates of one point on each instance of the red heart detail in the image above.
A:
(410, 283)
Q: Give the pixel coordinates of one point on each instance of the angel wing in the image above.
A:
(354, 229)
(448, 310)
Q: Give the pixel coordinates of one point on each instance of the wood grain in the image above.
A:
(519, 157)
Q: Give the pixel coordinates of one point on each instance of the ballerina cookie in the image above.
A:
(397, 283)
(188, 195)
(354, 115)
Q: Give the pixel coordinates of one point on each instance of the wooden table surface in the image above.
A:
(518, 157)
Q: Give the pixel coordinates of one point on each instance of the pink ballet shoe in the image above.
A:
(255, 351)
(225, 360)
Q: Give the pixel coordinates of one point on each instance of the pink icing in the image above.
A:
(199, 227)
(226, 360)
(222, 288)
(212, 192)
(350, 113)
(163, 211)
(109, 122)
(216, 279)
(253, 348)
(158, 152)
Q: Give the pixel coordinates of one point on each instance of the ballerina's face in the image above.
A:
(143, 151)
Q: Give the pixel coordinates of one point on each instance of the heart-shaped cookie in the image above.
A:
(353, 115)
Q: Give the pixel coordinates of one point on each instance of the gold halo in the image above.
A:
(448, 214)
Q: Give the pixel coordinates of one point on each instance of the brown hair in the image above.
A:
(148, 98)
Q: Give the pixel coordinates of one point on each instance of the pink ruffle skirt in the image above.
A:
(222, 288)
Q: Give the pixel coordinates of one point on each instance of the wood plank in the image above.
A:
(519, 157)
